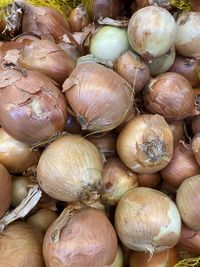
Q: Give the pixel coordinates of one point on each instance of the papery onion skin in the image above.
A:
(32, 108)
(5, 190)
(147, 220)
(161, 91)
(149, 179)
(151, 31)
(177, 128)
(145, 144)
(87, 238)
(70, 169)
(187, 199)
(100, 98)
(196, 147)
(133, 69)
(21, 245)
(19, 189)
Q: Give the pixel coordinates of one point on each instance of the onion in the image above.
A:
(182, 166)
(78, 18)
(196, 147)
(168, 189)
(5, 190)
(16, 156)
(70, 169)
(163, 63)
(133, 69)
(104, 47)
(81, 238)
(71, 49)
(177, 128)
(166, 258)
(149, 179)
(119, 260)
(71, 125)
(48, 58)
(161, 3)
(162, 90)
(187, 200)
(188, 34)
(21, 245)
(32, 108)
(117, 180)
(147, 220)
(196, 124)
(145, 144)
(151, 31)
(42, 219)
(19, 189)
(100, 98)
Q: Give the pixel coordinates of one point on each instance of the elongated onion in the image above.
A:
(5, 190)
(145, 144)
(81, 238)
(147, 220)
(149, 179)
(70, 169)
(100, 98)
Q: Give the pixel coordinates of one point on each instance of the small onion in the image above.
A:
(78, 19)
(21, 245)
(149, 179)
(147, 220)
(182, 166)
(196, 147)
(70, 169)
(32, 108)
(119, 260)
(151, 31)
(145, 144)
(19, 189)
(16, 156)
(188, 34)
(170, 95)
(5, 190)
(161, 3)
(100, 98)
(188, 200)
(133, 69)
(196, 125)
(104, 47)
(166, 258)
(81, 238)
(177, 128)
(117, 180)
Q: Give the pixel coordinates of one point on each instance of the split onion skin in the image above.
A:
(5, 190)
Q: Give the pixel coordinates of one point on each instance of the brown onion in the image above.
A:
(166, 258)
(26, 37)
(81, 238)
(187, 200)
(19, 189)
(100, 98)
(5, 190)
(188, 67)
(32, 108)
(177, 128)
(78, 18)
(21, 245)
(182, 165)
(70, 169)
(149, 179)
(133, 69)
(145, 144)
(71, 125)
(161, 3)
(14, 155)
(71, 49)
(161, 92)
(117, 180)
(196, 147)
(147, 220)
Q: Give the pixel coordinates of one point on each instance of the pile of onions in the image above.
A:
(157, 33)
(117, 180)
(147, 220)
(84, 238)
(161, 91)
(149, 179)
(100, 98)
(19, 189)
(70, 169)
(182, 166)
(5, 190)
(32, 107)
(145, 144)
(21, 245)
(187, 200)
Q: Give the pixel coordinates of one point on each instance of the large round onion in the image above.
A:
(21, 245)
(145, 144)
(100, 98)
(5, 190)
(151, 31)
(81, 238)
(32, 108)
(147, 220)
(70, 169)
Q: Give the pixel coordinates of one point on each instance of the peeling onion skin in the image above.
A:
(21, 245)
(161, 91)
(32, 108)
(147, 220)
(87, 238)
(5, 190)
(145, 144)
